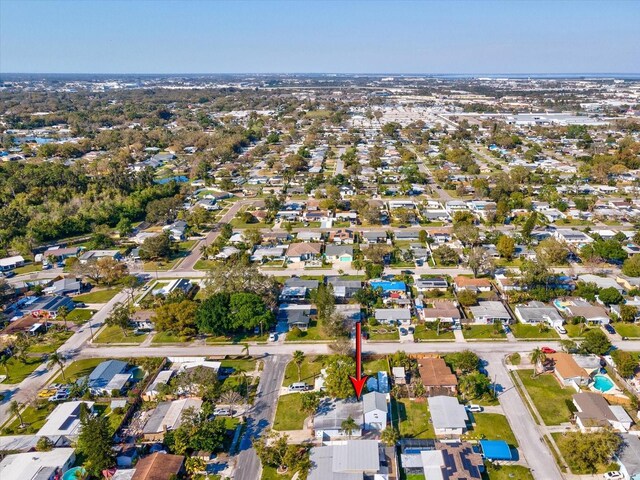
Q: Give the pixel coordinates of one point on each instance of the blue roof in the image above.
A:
(389, 286)
(496, 450)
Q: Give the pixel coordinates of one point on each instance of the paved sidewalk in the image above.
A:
(457, 333)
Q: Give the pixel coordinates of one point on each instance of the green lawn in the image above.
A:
(599, 469)
(506, 472)
(162, 266)
(80, 315)
(483, 332)
(383, 333)
(313, 334)
(412, 418)
(375, 365)
(18, 370)
(28, 268)
(425, 334)
(492, 426)
(531, 332)
(270, 473)
(50, 342)
(245, 364)
(576, 331)
(551, 400)
(115, 335)
(79, 369)
(168, 337)
(289, 414)
(309, 369)
(630, 330)
(97, 296)
(34, 419)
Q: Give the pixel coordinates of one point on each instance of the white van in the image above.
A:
(298, 387)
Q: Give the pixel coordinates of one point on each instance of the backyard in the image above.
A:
(412, 418)
(553, 402)
(492, 426)
(506, 472)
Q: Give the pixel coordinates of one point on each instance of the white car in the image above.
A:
(613, 475)
(474, 408)
(222, 412)
(561, 329)
(273, 337)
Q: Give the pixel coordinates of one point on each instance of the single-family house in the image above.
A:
(351, 460)
(302, 252)
(572, 237)
(344, 289)
(161, 379)
(601, 282)
(437, 377)
(490, 312)
(159, 466)
(262, 254)
(374, 406)
(445, 461)
(444, 310)
(339, 253)
(177, 230)
(64, 286)
(327, 421)
(448, 416)
(594, 413)
(474, 284)
(393, 316)
(46, 306)
(37, 465)
(64, 420)
(11, 263)
(628, 457)
(567, 371)
(534, 313)
(167, 416)
(108, 376)
(94, 255)
(295, 316)
(342, 236)
(431, 284)
(370, 237)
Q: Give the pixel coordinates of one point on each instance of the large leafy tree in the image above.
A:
(595, 341)
(631, 266)
(588, 450)
(154, 248)
(337, 383)
(179, 318)
(212, 315)
(249, 311)
(94, 443)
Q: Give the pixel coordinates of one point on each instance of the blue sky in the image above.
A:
(200, 36)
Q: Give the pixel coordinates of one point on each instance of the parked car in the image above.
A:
(59, 397)
(412, 329)
(403, 331)
(222, 412)
(612, 475)
(547, 350)
(609, 328)
(561, 329)
(273, 337)
(474, 408)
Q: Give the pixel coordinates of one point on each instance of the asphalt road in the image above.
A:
(535, 451)
(261, 415)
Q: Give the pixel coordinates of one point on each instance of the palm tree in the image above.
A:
(63, 313)
(56, 359)
(245, 349)
(390, 436)
(349, 426)
(298, 359)
(14, 409)
(537, 357)
(4, 360)
(242, 375)
(194, 465)
(231, 398)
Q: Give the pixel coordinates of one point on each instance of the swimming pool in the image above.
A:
(74, 473)
(602, 383)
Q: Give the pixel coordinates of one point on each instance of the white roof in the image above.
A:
(432, 463)
(64, 420)
(25, 466)
(446, 412)
(10, 261)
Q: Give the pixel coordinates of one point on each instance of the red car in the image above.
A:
(547, 350)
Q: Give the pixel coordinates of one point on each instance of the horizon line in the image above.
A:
(327, 73)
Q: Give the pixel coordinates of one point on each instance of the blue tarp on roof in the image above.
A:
(389, 286)
(496, 450)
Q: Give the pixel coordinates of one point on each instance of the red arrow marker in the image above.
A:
(358, 381)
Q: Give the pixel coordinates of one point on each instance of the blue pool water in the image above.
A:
(602, 383)
(72, 475)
